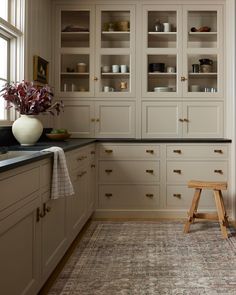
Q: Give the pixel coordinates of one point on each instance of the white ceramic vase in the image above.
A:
(27, 129)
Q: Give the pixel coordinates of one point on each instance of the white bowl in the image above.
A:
(162, 89)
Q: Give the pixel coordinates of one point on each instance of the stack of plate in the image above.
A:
(163, 89)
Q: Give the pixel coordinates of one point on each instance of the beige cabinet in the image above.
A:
(182, 119)
(100, 119)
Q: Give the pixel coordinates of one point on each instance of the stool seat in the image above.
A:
(207, 185)
(221, 213)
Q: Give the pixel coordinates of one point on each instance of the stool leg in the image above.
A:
(220, 214)
(193, 209)
(224, 211)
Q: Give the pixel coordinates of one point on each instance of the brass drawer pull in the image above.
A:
(97, 120)
(177, 196)
(108, 170)
(108, 151)
(92, 152)
(186, 120)
(79, 159)
(177, 171)
(149, 195)
(181, 120)
(108, 195)
(150, 151)
(93, 120)
(218, 151)
(219, 171)
(93, 166)
(149, 171)
(177, 151)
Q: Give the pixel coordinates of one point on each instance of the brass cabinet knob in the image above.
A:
(186, 120)
(97, 120)
(108, 195)
(178, 171)
(219, 171)
(95, 78)
(177, 151)
(177, 196)
(182, 79)
(93, 120)
(108, 151)
(149, 171)
(150, 151)
(149, 195)
(218, 151)
(108, 171)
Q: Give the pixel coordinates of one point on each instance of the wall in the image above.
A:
(38, 40)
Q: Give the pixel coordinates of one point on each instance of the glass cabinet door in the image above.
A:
(202, 51)
(115, 51)
(161, 47)
(75, 52)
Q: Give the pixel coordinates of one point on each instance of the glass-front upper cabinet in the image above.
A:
(115, 51)
(202, 51)
(182, 51)
(75, 54)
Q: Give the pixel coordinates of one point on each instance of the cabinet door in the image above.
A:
(74, 55)
(78, 118)
(20, 251)
(162, 48)
(115, 119)
(115, 44)
(203, 119)
(53, 233)
(161, 119)
(203, 68)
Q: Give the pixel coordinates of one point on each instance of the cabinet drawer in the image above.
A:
(129, 171)
(181, 172)
(180, 197)
(197, 151)
(18, 187)
(129, 151)
(135, 197)
(78, 159)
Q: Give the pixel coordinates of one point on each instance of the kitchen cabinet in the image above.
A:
(99, 119)
(191, 119)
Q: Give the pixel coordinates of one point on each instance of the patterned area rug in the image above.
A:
(150, 258)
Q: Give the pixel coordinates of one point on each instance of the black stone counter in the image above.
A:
(72, 144)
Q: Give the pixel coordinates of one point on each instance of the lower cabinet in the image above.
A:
(182, 119)
(99, 119)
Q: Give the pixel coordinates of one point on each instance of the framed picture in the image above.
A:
(40, 73)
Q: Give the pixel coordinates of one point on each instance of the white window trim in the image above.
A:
(16, 37)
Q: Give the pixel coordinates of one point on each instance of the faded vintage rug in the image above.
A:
(150, 258)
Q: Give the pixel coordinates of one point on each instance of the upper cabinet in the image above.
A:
(95, 48)
(182, 51)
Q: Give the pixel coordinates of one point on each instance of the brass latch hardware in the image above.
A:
(177, 171)
(218, 171)
(150, 151)
(92, 166)
(186, 120)
(149, 195)
(149, 171)
(182, 79)
(177, 196)
(177, 151)
(218, 151)
(95, 78)
(181, 120)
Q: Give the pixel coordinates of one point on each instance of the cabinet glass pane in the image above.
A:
(162, 31)
(115, 29)
(202, 73)
(202, 29)
(115, 73)
(75, 72)
(161, 73)
(75, 29)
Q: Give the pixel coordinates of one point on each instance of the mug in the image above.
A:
(115, 68)
(81, 67)
(166, 27)
(106, 69)
(170, 70)
(108, 89)
(196, 68)
(124, 68)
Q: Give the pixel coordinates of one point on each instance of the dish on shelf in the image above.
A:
(58, 136)
(72, 28)
(162, 89)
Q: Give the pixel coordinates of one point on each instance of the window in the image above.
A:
(11, 49)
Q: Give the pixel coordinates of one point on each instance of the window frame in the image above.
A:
(12, 31)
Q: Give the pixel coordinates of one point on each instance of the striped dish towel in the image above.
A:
(61, 183)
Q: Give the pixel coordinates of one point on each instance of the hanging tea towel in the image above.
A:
(61, 183)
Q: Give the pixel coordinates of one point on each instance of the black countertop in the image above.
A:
(72, 144)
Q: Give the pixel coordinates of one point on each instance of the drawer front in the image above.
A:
(18, 187)
(129, 171)
(128, 151)
(181, 172)
(79, 159)
(197, 151)
(135, 197)
(180, 197)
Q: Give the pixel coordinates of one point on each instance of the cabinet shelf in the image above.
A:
(75, 36)
(161, 74)
(115, 36)
(202, 33)
(74, 74)
(202, 74)
(115, 74)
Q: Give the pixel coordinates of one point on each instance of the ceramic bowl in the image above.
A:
(162, 89)
(58, 136)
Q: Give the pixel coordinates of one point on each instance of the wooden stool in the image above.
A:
(221, 213)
